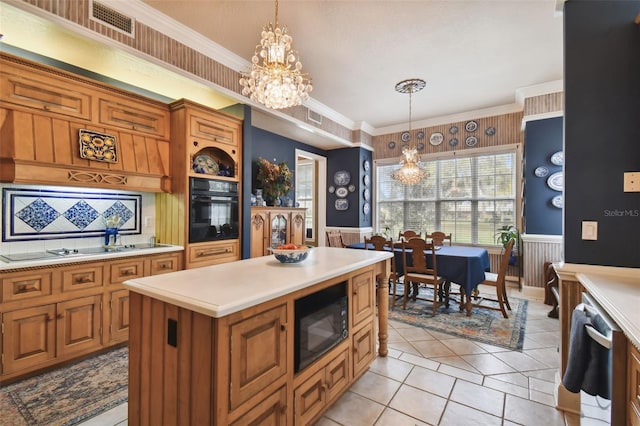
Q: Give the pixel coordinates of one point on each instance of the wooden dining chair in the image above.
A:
(406, 235)
(334, 239)
(380, 243)
(497, 281)
(420, 272)
(438, 238)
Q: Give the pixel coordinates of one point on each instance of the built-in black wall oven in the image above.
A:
(213, 210)
(321, 322)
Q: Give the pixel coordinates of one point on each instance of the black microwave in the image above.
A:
(321, 322)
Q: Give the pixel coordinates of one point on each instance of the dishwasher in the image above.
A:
(597, 363)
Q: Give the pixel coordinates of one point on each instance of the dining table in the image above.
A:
(462, 265)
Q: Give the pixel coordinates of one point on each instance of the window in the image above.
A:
(305, 190)
(470, 197)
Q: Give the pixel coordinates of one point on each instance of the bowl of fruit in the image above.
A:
(290, 253)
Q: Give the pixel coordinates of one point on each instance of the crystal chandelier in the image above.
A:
(411, 171)
(276, 82)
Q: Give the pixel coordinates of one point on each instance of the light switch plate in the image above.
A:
(589, 230)
(632, 182)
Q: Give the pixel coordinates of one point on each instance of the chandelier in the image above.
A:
(411, 171)
(276, 79)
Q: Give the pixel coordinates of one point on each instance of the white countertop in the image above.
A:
(220, 290)
(60, 260)
(620, 297)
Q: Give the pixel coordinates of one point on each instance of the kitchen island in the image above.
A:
(216, 345)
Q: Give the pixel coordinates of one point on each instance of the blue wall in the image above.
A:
(543, 138)
(602, 130)
(349, 160)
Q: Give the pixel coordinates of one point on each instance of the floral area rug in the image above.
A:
(484, 325)
(67, 395)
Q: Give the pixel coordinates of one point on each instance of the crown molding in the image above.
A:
(554, 86)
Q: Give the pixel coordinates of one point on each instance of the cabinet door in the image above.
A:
(362, 297)
(29, 337)
(297, 228)
(271, 411)
(259, 353)
(364, 342)
(78, 325)
(214, 128)
(135, 115)
(279, 224)
(258, 236)
(310, 398)
(118, 316)
(633, 387)
(337, 376)
(25, 285)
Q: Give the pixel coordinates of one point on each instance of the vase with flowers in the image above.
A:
(274, 180)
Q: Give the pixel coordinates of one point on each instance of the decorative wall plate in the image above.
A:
(342, 178)
(420, 146)
(436, 138)
(557, 201)
(453, 130)
(366, 165)
(98, 146)
(420, 135)
(367, 180)
(541, 171)
(366, 194)
(557, 158)
(352, 188)
(332, 189)
(471, 126)
(490, 131)
(342, 192)
(204, 164)
(405, 136)
(366, 208)
(391, 145)
(341, 204)
(453, 141)
(471, 141)
(556, 181)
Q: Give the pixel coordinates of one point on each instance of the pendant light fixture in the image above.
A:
(411, 171)
(276, 79)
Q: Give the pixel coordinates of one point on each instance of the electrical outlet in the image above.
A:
(147, 221)
(589, 230)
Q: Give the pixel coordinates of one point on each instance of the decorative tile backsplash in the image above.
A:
(36, 214)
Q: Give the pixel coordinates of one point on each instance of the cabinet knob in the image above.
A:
(283, 327)
(59, 316)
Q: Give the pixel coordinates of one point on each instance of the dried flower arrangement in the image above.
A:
(274, 179)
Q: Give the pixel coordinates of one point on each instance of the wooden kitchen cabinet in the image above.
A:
(363, 298)
(364, 348)
(274, 226)
(54, 314)
(633, 386)
(312, 396)
(199, 132)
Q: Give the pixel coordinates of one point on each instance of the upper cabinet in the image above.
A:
(44, 112)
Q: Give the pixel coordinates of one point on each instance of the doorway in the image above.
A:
(310, 187)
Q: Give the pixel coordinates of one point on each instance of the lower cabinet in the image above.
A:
(205, 254)
(633, 386)
(271, 411)
(274, 226)
(54, 314)
(364, 348)
(312, 396)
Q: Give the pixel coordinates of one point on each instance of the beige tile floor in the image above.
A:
(432, 378)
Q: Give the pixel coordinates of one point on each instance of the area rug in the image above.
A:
(484, 325)
(67, 395)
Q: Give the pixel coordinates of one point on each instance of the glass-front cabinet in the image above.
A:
(274, 226)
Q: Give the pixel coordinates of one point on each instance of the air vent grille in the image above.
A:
(314, 116)
(112, 18)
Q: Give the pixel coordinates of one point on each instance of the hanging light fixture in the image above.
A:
(276, 79)
(411, 171)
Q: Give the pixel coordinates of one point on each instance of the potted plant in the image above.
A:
(506, 234)
(274, 180)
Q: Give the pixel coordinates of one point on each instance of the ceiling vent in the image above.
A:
(112, 18)
(314, 116)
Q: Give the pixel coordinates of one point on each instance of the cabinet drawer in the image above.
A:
(210, 254)
(26, 285)
(81, 277)
(122, 271)
(164, 264)
(221, 130)
(138, 117)
(43, 93)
